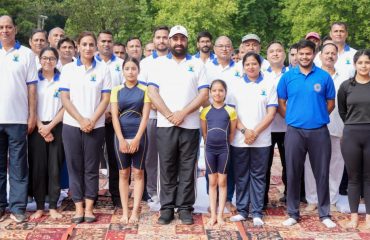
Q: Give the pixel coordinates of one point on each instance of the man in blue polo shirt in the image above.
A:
(306, 97)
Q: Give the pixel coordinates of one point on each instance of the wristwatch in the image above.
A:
(243, 130)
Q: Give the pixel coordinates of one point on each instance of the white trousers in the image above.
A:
(335, 174)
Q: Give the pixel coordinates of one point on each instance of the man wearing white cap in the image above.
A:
(252, 43)
(177, 87)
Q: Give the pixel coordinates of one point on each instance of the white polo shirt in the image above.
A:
(178, 85)
(251, 100)
(115, 68)
(48, 97)
(17, 70)
(85, 88)
(145, 68)
(278, 125)
(215, 71)
(336, 125)
(264, 65)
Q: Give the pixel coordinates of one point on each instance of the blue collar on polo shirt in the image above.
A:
(79, 63)
(112, 59)
(55, 78)
(155, 54)
(17, 45)
(259, 79)
(231, 63)
(346, 48)
(298, 70)
(283, 70)
(211, 55)
(187, 56)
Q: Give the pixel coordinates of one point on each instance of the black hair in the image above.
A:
(358, 54)
(134, 38)
(222, 82)
(105, 32)
(65, 39)
(131, 59)
(293, 46)
(306, 43)
(254, 55)
(55, 52)
(86, 34)
(119, 44)
(163, 27)
(204, 34)
(11, 18)
(340, 24)
(34, 31)
(274, 42)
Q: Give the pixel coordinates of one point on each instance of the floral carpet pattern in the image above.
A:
(108, 226)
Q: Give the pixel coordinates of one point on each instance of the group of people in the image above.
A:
(64, 100)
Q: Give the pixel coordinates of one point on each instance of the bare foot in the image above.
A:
(367, 223)
(211, 222)
(220, 221)
(352, 224)
(37, 214)
(134, 217)
(124, 219)
(54, 214)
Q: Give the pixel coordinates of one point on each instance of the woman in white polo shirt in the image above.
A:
(45, 147)
(255, 100)
(85, 91)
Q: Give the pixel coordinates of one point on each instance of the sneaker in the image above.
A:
(237, 218)
(2, 215)
(18, 217)
(289, 222)
(186, 217)
(166, 217)
(329, 223)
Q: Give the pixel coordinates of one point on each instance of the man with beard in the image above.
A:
(37, 41)
(177, 87)
(160, 40)
(66, 49)
(306, 129)
(204, 45)
(114, 64)
(55, 35)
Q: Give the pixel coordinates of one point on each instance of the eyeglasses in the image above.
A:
(49, 59)
(223, 46)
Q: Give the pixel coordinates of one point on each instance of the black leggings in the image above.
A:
(356, 153)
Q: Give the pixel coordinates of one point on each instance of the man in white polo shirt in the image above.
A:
(55, 35)
(105, 55)
(160, 40)
(178, 87)
(17, 117)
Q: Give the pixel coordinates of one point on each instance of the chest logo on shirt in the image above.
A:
(16, 57)
(191, 68)
(348, 61)
(117, 68)
(56, 93)
(93, 78)
(263, 93)
(317, 87)
(237, 74)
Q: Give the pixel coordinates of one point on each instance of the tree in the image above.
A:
(315, 15)
(197, 15)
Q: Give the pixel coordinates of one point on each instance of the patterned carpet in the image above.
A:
(108, 226)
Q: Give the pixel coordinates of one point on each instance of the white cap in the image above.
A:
(178, 29)
(251, 36)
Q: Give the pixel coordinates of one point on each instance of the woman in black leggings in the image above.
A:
(354, 109)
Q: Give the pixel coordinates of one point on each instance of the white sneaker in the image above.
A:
(329, 223)
(289, 222)
(237, 218)
(257, 222)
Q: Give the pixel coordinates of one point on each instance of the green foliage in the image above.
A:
(197, 15)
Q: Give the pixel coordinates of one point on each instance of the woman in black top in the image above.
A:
(354, 109)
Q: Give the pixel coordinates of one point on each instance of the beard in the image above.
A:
(205, 49)
(179, 52)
